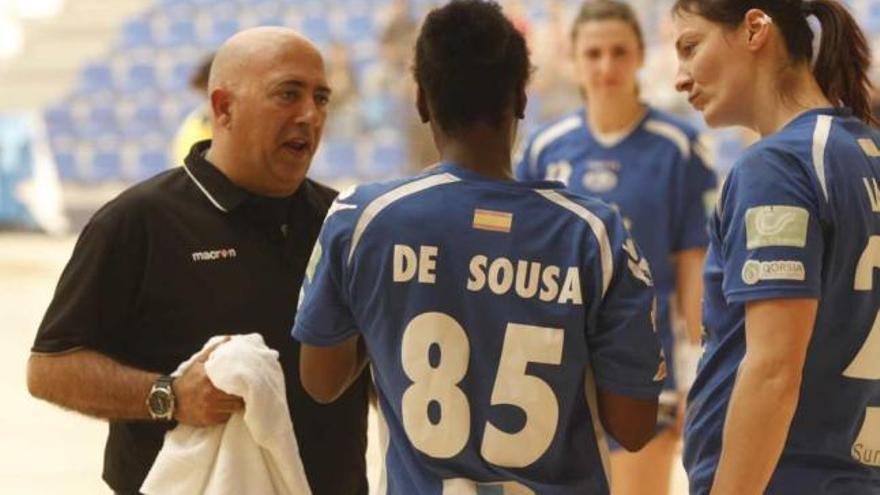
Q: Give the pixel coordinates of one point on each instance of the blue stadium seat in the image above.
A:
(337, 159)
(151, 162)
(96, 76)
(136, 33)
(140, 76)
(106, 166)
(59, 119)
(176, 33)
(387, 160)
(360, 27)
(66, 163)
(317, 29)
(177, 78)
(221, 29)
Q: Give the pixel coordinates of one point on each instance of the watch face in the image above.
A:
(160, 402)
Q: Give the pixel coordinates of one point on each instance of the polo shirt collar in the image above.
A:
(219, 190)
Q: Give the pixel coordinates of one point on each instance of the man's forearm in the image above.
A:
(758, 419)
(90, 383)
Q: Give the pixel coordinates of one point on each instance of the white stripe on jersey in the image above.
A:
(205, 191)
(598, 429)
(385, 200)
(595, 224)
(820, 140)
(549, 135)
(672, 133)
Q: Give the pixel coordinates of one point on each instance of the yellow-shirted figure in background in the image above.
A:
(197, 124)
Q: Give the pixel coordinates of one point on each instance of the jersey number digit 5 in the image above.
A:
(523, 344)
(866, 364)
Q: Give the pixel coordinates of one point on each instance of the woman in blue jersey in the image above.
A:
(649, 165)
(507, 324)
(787, 397)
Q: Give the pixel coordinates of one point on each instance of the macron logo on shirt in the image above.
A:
(217, 254)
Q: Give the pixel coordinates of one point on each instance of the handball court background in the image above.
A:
(92, 93)
(45, 450)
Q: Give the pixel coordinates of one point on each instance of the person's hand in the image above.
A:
(197, 401)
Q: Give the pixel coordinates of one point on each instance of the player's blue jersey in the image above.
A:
(483, 304)
(799, 217)
(656, 174)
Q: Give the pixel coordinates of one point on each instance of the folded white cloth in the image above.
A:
(255, 452)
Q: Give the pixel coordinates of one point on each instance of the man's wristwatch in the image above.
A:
(160, 401)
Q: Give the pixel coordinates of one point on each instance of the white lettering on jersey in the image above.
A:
(873, 193)
(756, 271)
(214, 255)
(407, 263)
(501, 274)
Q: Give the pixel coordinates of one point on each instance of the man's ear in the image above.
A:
(422, 106)
(221, 106)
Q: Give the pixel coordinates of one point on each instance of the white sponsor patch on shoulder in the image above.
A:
(776, 226)
(757, 271)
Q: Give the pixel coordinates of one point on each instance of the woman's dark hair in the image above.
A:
(471, 63)
(841, 69)
(604, 10)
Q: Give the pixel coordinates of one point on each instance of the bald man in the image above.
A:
(218, 246)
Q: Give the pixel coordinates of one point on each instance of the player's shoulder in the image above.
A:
(556, 133)
(580, 208)
(359, 206)
(672, 130)
(389, 191)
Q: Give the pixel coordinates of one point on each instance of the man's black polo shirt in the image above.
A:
(182, 257)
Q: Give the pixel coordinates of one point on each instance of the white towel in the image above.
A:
(255, 452)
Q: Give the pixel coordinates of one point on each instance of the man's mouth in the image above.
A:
(297, 145)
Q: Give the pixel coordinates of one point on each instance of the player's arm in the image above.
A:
(332, 352)
(689, 290)
(94, 384)
(626, 358)
(765, 395)
(327, 372)
(630, 421)
(698, 196)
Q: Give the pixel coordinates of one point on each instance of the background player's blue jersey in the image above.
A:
(799, 217)
(483, 304)
(655, 174)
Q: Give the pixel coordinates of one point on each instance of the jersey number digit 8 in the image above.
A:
(523, 344)
(866, 364)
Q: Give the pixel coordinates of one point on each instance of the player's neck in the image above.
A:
(480, 152)
(773, 111)
(611, 115)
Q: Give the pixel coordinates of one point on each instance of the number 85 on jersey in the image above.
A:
(435, 387)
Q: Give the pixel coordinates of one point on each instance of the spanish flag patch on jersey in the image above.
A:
(494, 221)
(869, 147)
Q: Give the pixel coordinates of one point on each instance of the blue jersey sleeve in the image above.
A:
(699, 185)
(625, 353)
(324, 317)
(770, 229)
